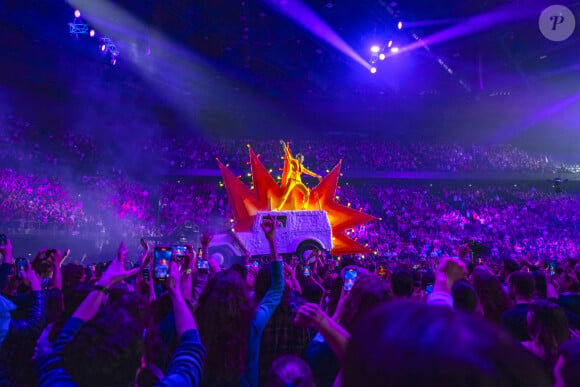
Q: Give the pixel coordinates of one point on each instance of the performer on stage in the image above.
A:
(293, 180)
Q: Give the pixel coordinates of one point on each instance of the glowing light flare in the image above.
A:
(77, 13)
(92, 33)
(375, 49)
(309, 20)
(501, 16)
(373, 70)
(382, 56)
(395, 50)
(400, 25)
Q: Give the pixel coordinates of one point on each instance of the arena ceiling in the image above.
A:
(504, 66)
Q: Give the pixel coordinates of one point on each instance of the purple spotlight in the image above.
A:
(103, 47)
(382, 56)
(92, 33)
(113, 60)
(390, 44)
(373, 70)
(400, 25)
(375, 49)
(394, 50)
(77, 13)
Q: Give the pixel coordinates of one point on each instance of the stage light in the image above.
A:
(373, 70)
(103, 47)
(400, 25)
(394, 50)
(77, 13)
(113, 60)
(382, 56)
(390, 44)
(375, 49)
(92, 33)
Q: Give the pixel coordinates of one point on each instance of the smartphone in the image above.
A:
(179, 251)
(382, 269)
(21, 266)
(162, 259)
(428, 289)
(203, 264)
(307, 271)
(146, 274)
(552, 267)
(349, 278)
(3, 240)
(199, 253)
(256, 264)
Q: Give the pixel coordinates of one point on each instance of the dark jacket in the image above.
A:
(16, 365)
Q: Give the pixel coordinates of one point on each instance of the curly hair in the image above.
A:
(108, 349)
(224, 315)
(367, 293)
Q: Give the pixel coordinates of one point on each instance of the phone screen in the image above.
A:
(202, 264)
(306, 271)
(382, 271)
(162, 260)
(428, 289)
(349, 279)
(256, 263)
(179, 251)
(21, 266)
(552, 268)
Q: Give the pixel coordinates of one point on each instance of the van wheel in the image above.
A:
(305, 248)
(223, 256)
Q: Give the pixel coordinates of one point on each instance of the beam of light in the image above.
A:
(309, 20)
(430, 23)
(503, 15)
(505, 134)
(186, 80)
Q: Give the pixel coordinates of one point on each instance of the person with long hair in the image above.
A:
(367, 293)
(548, 328)
(231, 326)
(492, 297)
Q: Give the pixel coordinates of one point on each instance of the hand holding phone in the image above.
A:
(161, 263)
(21, 267)
(350, 276)
(307, 271)
(203, 266)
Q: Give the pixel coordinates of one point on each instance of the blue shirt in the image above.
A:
(265, 311)
(184, 370)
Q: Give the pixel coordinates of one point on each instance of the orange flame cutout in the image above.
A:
(267, 194)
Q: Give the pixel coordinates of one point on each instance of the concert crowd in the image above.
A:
(466, 283)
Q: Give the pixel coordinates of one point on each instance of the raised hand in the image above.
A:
(30, 275)
(309, 316)
(189, 260)
(116, 271)
(146, 255)
(57, 257)
(269, 227)
(174, 279)
(205, 240)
